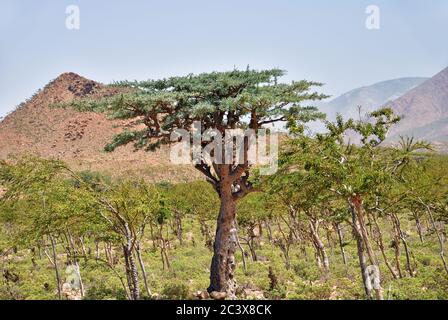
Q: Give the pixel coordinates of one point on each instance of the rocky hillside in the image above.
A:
(370, 97)
(424, 110)
(79, 138)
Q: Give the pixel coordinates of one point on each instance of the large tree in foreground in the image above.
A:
(219, 101)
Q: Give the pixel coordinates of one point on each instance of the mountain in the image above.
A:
(424, 110)
(78, 138)
(369, 97)
(421, 102)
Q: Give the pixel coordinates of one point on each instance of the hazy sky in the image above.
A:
(322, 40)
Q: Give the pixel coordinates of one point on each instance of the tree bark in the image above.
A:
(355, 204)
(142, 267)
(360, 251)
(223, 262)
(405, 244)
(321, 253)
(439, 237)
(131, 272)
(380, 243)
(56, 269)
(341, 242)
(131, 267)
(419, 227)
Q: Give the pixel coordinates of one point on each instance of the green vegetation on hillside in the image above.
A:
(296, 237)
(336, 221)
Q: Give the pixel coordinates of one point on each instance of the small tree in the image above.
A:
(125, 210)
(50, 208)
(219, 101)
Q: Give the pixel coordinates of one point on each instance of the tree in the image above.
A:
(351, 173)
(50, 208)
(125, 209)
(219, 101)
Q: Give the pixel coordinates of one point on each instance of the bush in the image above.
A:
(99, 291)
(176, 291)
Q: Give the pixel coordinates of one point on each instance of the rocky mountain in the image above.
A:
(78, 138)
(369, 98)
(424, 110)
(421, 102)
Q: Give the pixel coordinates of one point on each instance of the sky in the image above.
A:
(320, 40)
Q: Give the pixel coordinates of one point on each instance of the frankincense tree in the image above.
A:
(218, 101)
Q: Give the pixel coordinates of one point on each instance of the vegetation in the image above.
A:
(337, 221)
(218, 102)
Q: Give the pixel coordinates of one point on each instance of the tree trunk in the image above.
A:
(321, 253)
(270, 238)
(419, 227)
(205, 231)
(142, 267)
(56, 269)
(74, 259)
(131, 267)
(223, 263)
(179, 229)
(341, 242)
(363, 242)
(360, 251)
(399, 236)
(439, 237)
(380, 243)
(131, 272)
(97, 250)
(243, 253)
(251, 242)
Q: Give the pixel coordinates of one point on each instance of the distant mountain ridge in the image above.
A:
(422, 104)
(424, 110)
(369, 98)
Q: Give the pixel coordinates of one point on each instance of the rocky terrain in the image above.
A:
(424, 110)
(79, 137)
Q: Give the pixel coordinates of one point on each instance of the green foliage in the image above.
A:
(45, 200)
(98, 290)
(175, 291)
(218, 100)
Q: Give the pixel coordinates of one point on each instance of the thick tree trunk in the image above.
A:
(223, 263)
